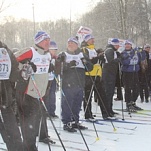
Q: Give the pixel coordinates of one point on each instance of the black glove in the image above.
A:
(84, 61)
(51, 67)
(72, 63)
(61, 57)
(34, 67)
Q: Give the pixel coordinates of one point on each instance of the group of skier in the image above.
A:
(82, 69)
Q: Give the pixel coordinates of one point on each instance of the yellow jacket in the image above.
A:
(97, 69)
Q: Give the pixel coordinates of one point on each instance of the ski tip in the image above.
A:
(97, 138)
(114, 129)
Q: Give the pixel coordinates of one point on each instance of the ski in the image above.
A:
(97, 122)
(66, 140)
(143, 112)
(125, 121)
(3, 149)
(125, 110)
(69, 147)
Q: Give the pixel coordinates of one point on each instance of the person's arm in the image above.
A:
(109, 54)
(22, 58)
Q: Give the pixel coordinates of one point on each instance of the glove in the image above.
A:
(26, 71)
(61, 57)
(51, 67)
(83, 61)
(34, 67)
(72, 63)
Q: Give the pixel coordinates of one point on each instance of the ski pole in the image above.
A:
(97, 138)
(114, 129)
(119, 67)
(41, 120)
(42, 101)
(63, 94)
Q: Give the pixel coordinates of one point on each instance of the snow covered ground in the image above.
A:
(131, 134)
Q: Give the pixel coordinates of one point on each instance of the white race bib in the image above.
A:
(5, 64)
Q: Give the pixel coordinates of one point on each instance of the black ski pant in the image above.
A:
(31, 113)
(95, 84)
(109, 84)
(8, 125)
(131, 86)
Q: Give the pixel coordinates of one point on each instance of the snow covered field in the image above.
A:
(131, 134)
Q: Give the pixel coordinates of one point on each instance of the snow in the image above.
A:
(133, 136)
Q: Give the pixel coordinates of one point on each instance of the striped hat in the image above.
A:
(88, 37)
(40, 36)
(73, 39)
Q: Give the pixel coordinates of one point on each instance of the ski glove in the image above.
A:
(34, 67)
(84, 61)
(61, 57)
(26, 71)
(72, 63)
(51, 67)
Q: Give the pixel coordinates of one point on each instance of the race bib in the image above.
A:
(5, 64)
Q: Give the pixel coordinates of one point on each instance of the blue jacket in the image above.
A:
(130, 60)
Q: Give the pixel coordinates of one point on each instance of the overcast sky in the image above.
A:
(47, 9)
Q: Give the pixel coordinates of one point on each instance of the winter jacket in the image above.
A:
(94, 58)
(131, 60)
(14, 64)
(40, 76)
(74, 67)
(111, 64)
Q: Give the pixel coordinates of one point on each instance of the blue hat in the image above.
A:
(73, 39)
(53, 45)
(115, 42)
(88, 37)
(128, 42)
(40, 36)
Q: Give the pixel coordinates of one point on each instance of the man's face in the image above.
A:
(116, 47)
(45, 44)
(53, 52)
(90, 41)
(128, 46)
(72, 46)
(147, 49)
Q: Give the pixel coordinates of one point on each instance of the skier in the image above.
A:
(93, 80)
(109, 72)
(50, 99)
(73, 82)
(131, 60)
(36, 61)
(8, 74)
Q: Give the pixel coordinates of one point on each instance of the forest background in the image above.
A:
(124, 19)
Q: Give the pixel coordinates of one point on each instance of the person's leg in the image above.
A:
(66, 106)
(146, 89)
(52, 103)
(78, 98)
(109, 90)
(88, 97)
(9, 119)
(28, 120)
(141, 92)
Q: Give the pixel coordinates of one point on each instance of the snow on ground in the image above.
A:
(132, 134)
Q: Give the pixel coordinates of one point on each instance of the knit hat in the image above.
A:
(40, 36)
(73, 39)
(146, 46)
(115, 42)
(128, 42)
(53, 45)
(88, 37)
